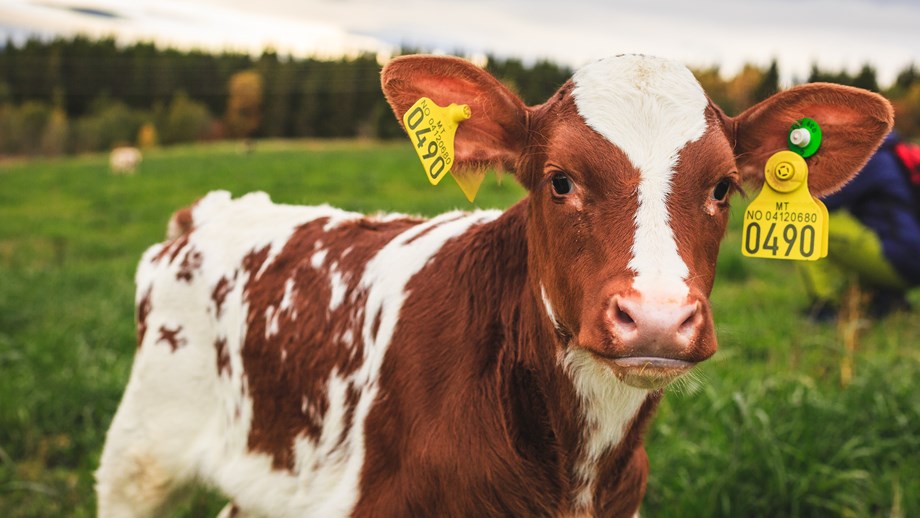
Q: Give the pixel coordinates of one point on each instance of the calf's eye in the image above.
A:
(561, 184)
(721, 189)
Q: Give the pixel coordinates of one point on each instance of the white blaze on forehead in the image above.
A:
(650, 108)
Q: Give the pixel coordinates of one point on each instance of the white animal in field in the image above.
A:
(125, 160)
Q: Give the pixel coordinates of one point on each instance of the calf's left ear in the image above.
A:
(853, 123)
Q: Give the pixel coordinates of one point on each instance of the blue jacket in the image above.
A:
(880, 197)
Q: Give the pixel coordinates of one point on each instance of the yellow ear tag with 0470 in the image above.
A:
(432, 128)
(785, 221)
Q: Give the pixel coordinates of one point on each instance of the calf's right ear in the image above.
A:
(493, 137)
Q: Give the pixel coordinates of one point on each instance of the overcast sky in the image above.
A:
(836, 34)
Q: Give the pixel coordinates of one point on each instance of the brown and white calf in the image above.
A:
(307, 361)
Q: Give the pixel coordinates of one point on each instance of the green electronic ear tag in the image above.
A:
(805, 137)
(432, 128)
(785, 221)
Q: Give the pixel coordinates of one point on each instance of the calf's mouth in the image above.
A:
(646, 372)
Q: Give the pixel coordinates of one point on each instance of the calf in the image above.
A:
(124, 160)
(308, 361)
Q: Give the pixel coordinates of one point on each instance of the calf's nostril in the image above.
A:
(692, 322)
(622, 317)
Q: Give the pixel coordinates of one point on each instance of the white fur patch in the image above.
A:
(650, 108)
(609, 405)
(548, 306)
(287, 300)
(318, 259)
(271, 321)
(339, 286)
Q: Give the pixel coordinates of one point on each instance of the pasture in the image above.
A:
(788, 419)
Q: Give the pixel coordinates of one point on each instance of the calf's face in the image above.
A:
(631, 192)
(630, 167)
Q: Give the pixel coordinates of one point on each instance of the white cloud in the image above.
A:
(188, 24)
(833, 33)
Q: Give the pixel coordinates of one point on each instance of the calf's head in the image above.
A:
(630, 168)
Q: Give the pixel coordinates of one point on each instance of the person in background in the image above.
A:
(874, 239)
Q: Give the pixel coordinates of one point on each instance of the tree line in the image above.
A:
(73, 95)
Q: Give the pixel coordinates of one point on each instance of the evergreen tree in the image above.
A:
(907, 78)
(866, 79)
(279, 84)
(769, 83)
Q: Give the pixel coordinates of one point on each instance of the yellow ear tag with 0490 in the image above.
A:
(785, 221)
(432, 129)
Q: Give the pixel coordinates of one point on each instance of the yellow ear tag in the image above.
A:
(469, 182)
(785, 221)
(432, 128)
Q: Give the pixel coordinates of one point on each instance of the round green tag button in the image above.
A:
(805, 137)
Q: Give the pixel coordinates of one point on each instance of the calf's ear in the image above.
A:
(853, 123)
(495, 134)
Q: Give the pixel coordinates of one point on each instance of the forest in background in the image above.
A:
(77, 95)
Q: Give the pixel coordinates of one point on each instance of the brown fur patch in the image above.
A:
(172, 337)
(308, 332)
(223, 357)
(191, 263)
(491, 420)
(171, 249)
(144, 306)
(223, 287)
(180, 223)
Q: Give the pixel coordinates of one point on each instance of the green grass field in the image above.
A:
(766, 428)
